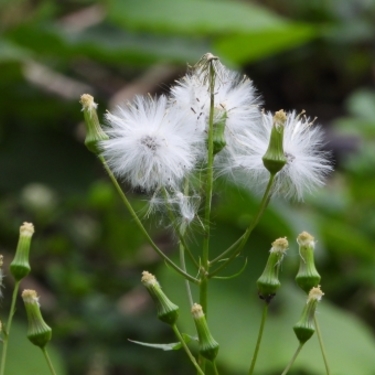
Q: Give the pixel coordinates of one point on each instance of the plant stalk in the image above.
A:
(8, 326)
(292, 360)
(142, 228)
(322, 349)
(187, 350)
(48, 360)
(259, 339)
(236, 247)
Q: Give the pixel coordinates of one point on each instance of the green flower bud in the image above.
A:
(94, 133)
(274, 159)
(20, 266)
(208, 347)
(219, 131)
(307, 276)
(305, 327)
(39, 333)
(269, 283)
(167, 310)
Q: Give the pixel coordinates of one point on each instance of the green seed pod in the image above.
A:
(94, 133)
(39, 333)
(208, 347)
(268, 283)
(219, 132)
(167, 311)
(274, 159)
(307, 276)
(20, 266)
(305, 327)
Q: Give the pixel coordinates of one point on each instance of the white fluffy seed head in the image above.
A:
(307, 165)
(234, 95)
(150, 144)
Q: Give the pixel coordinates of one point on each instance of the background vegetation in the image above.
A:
(87, 255)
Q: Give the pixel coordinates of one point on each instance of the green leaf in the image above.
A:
(107, 44)
(262, 43)
(344, 238)
(193, 17)
(10, 51)
(166, 347)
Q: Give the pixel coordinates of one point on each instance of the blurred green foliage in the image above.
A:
(87, 254)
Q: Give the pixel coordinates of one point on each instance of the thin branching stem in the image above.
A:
(177, 230)
(322, 349)
(187, 282)
(208, 195)
(236, 248)
(187, 350)
(6, 331)
(142, 228)
(295, 355)
(48, 360)
(259, 339)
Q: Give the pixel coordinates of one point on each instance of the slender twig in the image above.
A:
(177, 230)
(48, 360)
(215, 368)
(240, 243)
(209, 180)
(141, 227)
(8, 326)
(208, 195)
(187, 350)
(322, 349)
(259, 339)
(293, 359)
(187, 282)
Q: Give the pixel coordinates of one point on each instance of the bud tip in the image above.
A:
(306, 239)
(27, 229)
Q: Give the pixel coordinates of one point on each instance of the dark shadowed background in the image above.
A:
(87, 254)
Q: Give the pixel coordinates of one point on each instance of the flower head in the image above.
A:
(235, 100)
(306, 164)
(150, 145)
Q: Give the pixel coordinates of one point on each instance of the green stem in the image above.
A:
(215, 368)
(292, 360)
(180, 235)
(187, 350)
(240, 243)
(49, 362)
(141, 227)
(183, 266)
(203, 288)
(260, 335)
(208, 196)
(8, 326)
(322, 349)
